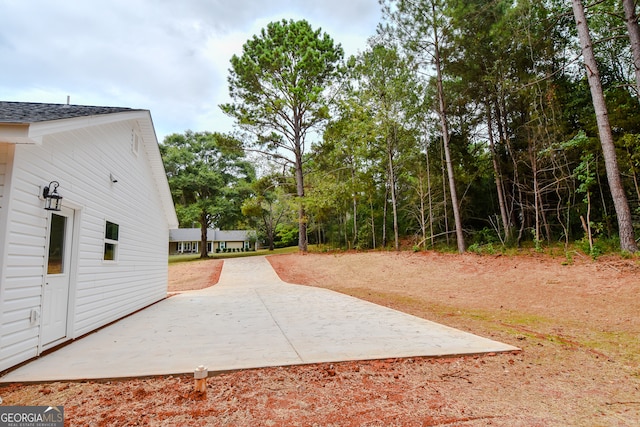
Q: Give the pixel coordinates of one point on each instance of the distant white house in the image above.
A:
(100, 254)
(188, 240)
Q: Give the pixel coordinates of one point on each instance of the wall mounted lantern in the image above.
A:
(51, 197)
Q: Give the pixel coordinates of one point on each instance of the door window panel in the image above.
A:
(56, 244)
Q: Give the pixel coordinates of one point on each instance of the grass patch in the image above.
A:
(619, 344)
(183, 258)
(260, 252)
(534, 328)
(425, 309)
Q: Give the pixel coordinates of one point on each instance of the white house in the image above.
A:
(102, 255)
(188, 240)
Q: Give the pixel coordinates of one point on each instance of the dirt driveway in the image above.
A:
(578, 325)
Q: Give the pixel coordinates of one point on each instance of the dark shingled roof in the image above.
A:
(31, 112)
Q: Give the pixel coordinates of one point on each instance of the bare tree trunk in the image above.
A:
(625, 225)
(509, 197)
(271, 238)
(394, 203)
(204, 227)
(430, 196)
(385, 208)
(586, 224)
(423, 209)
(445, 136)
(536, 199)
(345, 220)
(519, 202)
(355, 210)
(302, 218)
(498, 177)
(373, 224)
(445, 203)
(541, 215)
(633, 29)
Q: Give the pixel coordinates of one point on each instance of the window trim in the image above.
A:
(115, 243)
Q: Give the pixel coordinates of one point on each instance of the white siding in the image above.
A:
(6, 153)
(4, 158)
(21, 281)
(82, 161)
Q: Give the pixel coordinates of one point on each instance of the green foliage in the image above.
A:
(585, 172)
(287, 235)
(366, 151)
(483, 249)
(485, 236)
(268, 206)
(568, 258)
(519, 113)
(277, 83)
(594, 250)
(280, 87)
(536, 241)
(208, 177)
(631, 143)
(601, 246)
(626, 255)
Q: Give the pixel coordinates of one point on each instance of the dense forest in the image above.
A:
(465, 124)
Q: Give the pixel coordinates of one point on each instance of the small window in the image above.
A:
(111, 241)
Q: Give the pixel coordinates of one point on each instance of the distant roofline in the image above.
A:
(213, 235)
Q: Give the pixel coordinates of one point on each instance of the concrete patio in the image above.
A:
(250, 319)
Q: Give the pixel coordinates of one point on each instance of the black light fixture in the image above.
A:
(51, 197)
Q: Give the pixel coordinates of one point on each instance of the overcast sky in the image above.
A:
(167, 56)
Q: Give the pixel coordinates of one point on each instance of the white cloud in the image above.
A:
(166, 56)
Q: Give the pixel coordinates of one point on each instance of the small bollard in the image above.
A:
(200, 375)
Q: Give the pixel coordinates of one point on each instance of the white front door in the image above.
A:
(57, 279)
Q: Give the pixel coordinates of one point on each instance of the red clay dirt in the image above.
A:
(577, 324)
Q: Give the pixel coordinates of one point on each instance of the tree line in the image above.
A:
(462, 123)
